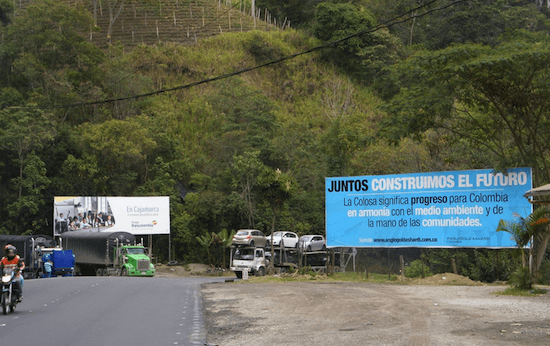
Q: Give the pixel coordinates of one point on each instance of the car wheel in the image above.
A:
(239, 274)
(252, 243)
(323, 248)
(309, 248)
(267, 244)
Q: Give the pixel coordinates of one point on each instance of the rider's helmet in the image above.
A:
(10, 251)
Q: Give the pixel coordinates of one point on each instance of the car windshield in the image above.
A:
(135, 251)
(242, 233)
(244, 254)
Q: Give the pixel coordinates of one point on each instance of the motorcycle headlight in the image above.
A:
(6, 279)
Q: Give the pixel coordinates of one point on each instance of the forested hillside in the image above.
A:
(83, 112)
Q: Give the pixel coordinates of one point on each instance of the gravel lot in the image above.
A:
(332, 313)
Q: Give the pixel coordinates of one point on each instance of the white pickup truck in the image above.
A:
(251, 260)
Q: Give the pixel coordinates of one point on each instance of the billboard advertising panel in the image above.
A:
(136, 215)
(437, 209)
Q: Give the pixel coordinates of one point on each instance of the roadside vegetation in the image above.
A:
(449, 86)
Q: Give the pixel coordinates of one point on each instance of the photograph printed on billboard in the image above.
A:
(136, 215)
(437, 209)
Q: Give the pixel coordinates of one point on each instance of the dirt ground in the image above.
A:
(445, 309)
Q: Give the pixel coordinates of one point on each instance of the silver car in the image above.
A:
(249, 237)
(312, 243)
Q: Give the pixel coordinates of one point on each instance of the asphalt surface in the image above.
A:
(86, 311)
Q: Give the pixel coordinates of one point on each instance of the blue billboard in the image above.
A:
(437, 209)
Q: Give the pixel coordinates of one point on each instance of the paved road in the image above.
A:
(86, 311)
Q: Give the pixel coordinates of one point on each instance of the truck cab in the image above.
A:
(251, 260)
(132, 260)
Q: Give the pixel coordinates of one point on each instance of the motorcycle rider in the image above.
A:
(13, 261)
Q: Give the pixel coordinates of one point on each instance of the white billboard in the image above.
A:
(136, 215)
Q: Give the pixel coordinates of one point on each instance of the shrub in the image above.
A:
(415, 269)
(521, 278)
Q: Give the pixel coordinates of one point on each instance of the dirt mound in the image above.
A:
(444, 279)
(181, 270)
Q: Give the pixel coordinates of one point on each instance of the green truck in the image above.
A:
(107, 253)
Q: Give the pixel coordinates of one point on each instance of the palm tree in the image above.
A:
(532, 229)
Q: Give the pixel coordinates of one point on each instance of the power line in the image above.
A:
(387, 24)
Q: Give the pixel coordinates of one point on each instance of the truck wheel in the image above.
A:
(239, 274)
(261, 271)
(124, 272)
(99, 272)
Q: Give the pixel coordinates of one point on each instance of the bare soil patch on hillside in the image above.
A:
(446, 309)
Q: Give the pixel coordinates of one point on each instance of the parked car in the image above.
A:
(313, 243)
(249, 237)
(285, 239)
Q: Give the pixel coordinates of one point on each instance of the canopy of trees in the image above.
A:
(441, 88)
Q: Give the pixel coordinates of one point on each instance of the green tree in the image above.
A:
(26, 210)
(362, 56)
(276, 189)
(120, 149)
(205, 240)
(535, 229)
(45, 54)
(6, 8)
(495, 98)
(245, 171)
(224, 240)
(23, 130)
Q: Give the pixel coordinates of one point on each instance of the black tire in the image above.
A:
(324, 248)
(261, 271)
(99, 272)
(239, 274)
(308, 248)
(252, 243)
(267, 244)
(5, 303)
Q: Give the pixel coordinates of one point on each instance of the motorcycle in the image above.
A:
(9, 299)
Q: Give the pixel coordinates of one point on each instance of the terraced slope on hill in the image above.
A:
(133, 22)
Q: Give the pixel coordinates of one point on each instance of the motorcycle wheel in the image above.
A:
(5, 303)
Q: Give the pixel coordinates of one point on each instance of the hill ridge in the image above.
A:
(135, 22)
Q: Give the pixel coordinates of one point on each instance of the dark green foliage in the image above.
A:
(298, 12)
(521, 278)
(254, 150)
(6, 8)
(490, 265)
(363, 56)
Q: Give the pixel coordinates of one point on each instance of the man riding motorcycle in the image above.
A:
(13, 261)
